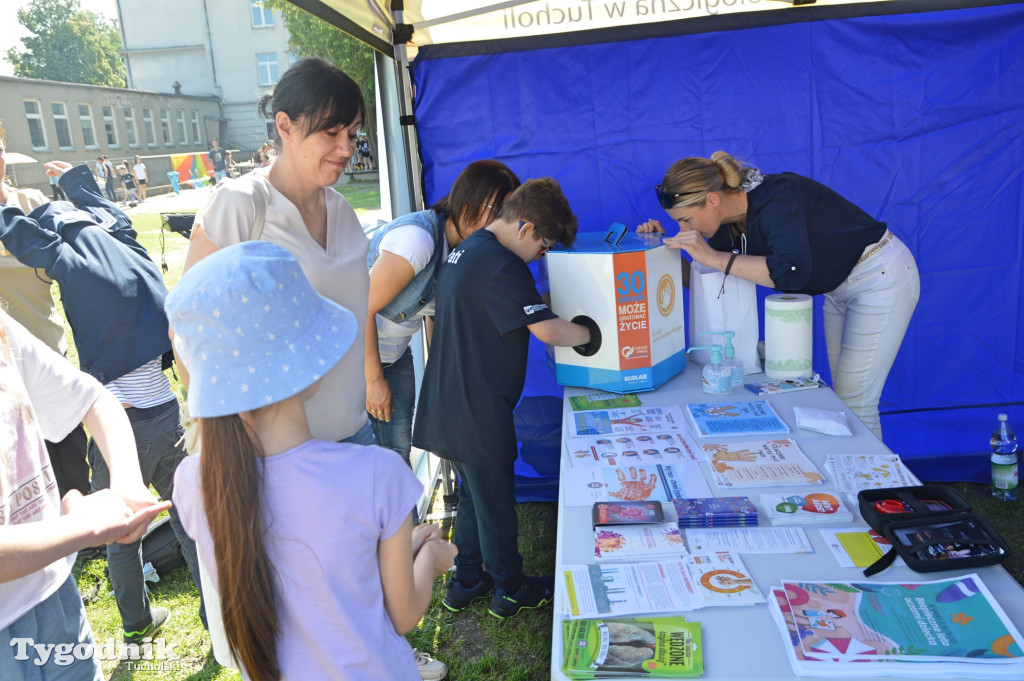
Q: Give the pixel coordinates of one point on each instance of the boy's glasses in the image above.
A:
(667, 199)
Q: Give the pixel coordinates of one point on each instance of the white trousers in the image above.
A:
(866, 318)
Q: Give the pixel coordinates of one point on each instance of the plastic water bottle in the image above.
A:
(1004, 462)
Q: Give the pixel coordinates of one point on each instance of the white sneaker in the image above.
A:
(430, 669)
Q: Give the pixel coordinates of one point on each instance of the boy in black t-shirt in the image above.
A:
(487, 307)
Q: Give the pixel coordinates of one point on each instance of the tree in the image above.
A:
(310, 36)
(68, 44)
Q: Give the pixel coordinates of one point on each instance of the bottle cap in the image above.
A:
(1002, 417)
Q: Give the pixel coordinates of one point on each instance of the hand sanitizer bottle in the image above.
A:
(734, 365)
(716, 378)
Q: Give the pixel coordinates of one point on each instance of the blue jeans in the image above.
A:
(486, 526)
(60, 619)
(158, 432)
(396, 434)
(111, 194)
(363, 436)
(219, 175)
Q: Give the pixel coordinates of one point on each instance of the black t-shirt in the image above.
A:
(811, 235)
(219, 158)
(128, 180)
(474, 376)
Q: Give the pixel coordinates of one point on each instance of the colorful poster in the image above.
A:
(632, 312)
(584, 486)
(953, 619)
(185, 164)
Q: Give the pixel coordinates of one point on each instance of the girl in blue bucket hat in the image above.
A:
(300, 597)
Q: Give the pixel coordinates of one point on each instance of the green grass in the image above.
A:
(473, 644)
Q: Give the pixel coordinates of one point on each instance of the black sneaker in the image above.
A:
(160, 617)
(457, 596)
(532, 593)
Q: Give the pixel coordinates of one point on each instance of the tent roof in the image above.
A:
(497, 25)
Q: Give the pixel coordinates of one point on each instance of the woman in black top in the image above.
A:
(792, 234)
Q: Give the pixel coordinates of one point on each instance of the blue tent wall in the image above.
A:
(918, 118)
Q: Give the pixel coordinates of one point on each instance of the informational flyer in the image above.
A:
(603, 401)
(694, 581)
(760, 463)
(749, 540)
(854, 472)
(626, 421)
(752, 418)
(584, 486)
(814, 508)
(857, 547)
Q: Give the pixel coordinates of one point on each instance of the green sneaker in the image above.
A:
(160, 618)
(532, 593)
(457, 596)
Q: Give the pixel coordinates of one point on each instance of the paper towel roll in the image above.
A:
(788, 335)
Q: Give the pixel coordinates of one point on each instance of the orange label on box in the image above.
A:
(632, 310)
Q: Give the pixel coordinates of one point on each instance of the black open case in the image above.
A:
(931, 527)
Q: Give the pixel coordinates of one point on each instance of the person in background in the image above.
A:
(139, 169)
(404, 260)
(27, 296)
(113, 296)
(128, 183)
(45, 397)
(219, 158)
(55, 190)
(110, 178)
(302, 596)
(487, 308)
(792, 234)
(317, 110)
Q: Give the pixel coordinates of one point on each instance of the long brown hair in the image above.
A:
(232, 485)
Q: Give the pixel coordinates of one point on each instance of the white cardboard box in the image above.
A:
(632, 289)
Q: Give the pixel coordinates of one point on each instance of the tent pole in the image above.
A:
(400, 145)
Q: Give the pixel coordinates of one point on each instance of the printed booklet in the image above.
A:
(735, 418)
(760, 463)
(950, 628)
(626, 421)
(651, 647)
(784, 385)
(638, 543)
(602, 401)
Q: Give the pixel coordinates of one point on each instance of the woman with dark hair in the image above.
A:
(317, 110)
(302, 595)
(792, 234)
(404, 259)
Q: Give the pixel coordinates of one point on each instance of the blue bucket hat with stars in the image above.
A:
(251, 329)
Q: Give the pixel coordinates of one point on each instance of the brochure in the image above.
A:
(655, 647)
(805, 509)
(854, 472)
(602, 401)
(760, 463)
(951, 628)
(626, 421)
(750, 540)
(640, 542)
(756, 417)
(622, 450)
(784, 385)
(857, 547)
(627, 512)
(715, 511)
(585, 486)
(666, 586)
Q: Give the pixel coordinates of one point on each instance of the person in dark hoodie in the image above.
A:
(113, 296)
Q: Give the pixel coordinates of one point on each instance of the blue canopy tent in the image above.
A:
(912, 109)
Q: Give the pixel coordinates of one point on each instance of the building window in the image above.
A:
(35, 123)
(60, 121)
(109, 127)
(147, 125)
(266, 63)
(88, 129)
(262, 17)
(129, 126)
(196, 137)
(165, 126)
(182, 134)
